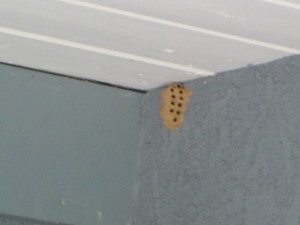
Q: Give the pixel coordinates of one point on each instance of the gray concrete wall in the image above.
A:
(68, 149)
(235, 161)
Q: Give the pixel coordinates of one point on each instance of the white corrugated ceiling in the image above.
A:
(145, 44)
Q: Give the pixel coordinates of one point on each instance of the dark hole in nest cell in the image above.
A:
(180, 92)
(172, 103)
(181, 98)
(172, 89)
(171, 110)
(175, 119)
(173, 96)
(179, 104)
(178, 85)
(178, 112)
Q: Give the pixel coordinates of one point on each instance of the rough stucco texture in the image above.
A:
(235, 160)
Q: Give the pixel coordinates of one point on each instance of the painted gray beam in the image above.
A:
(68, 148)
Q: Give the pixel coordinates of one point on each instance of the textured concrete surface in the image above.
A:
(235, 161)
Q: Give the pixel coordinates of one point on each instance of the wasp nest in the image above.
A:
(174, 103)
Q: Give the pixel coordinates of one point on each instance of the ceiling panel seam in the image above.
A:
(183, 26)
(284, 3)
(104, 51)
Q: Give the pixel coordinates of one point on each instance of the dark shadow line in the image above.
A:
(21, 220)
(75, 78)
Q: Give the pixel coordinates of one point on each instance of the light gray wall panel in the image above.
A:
(67, 148)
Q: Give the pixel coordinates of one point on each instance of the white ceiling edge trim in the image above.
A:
(104, 51)
(284, 3)
(183, 26)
